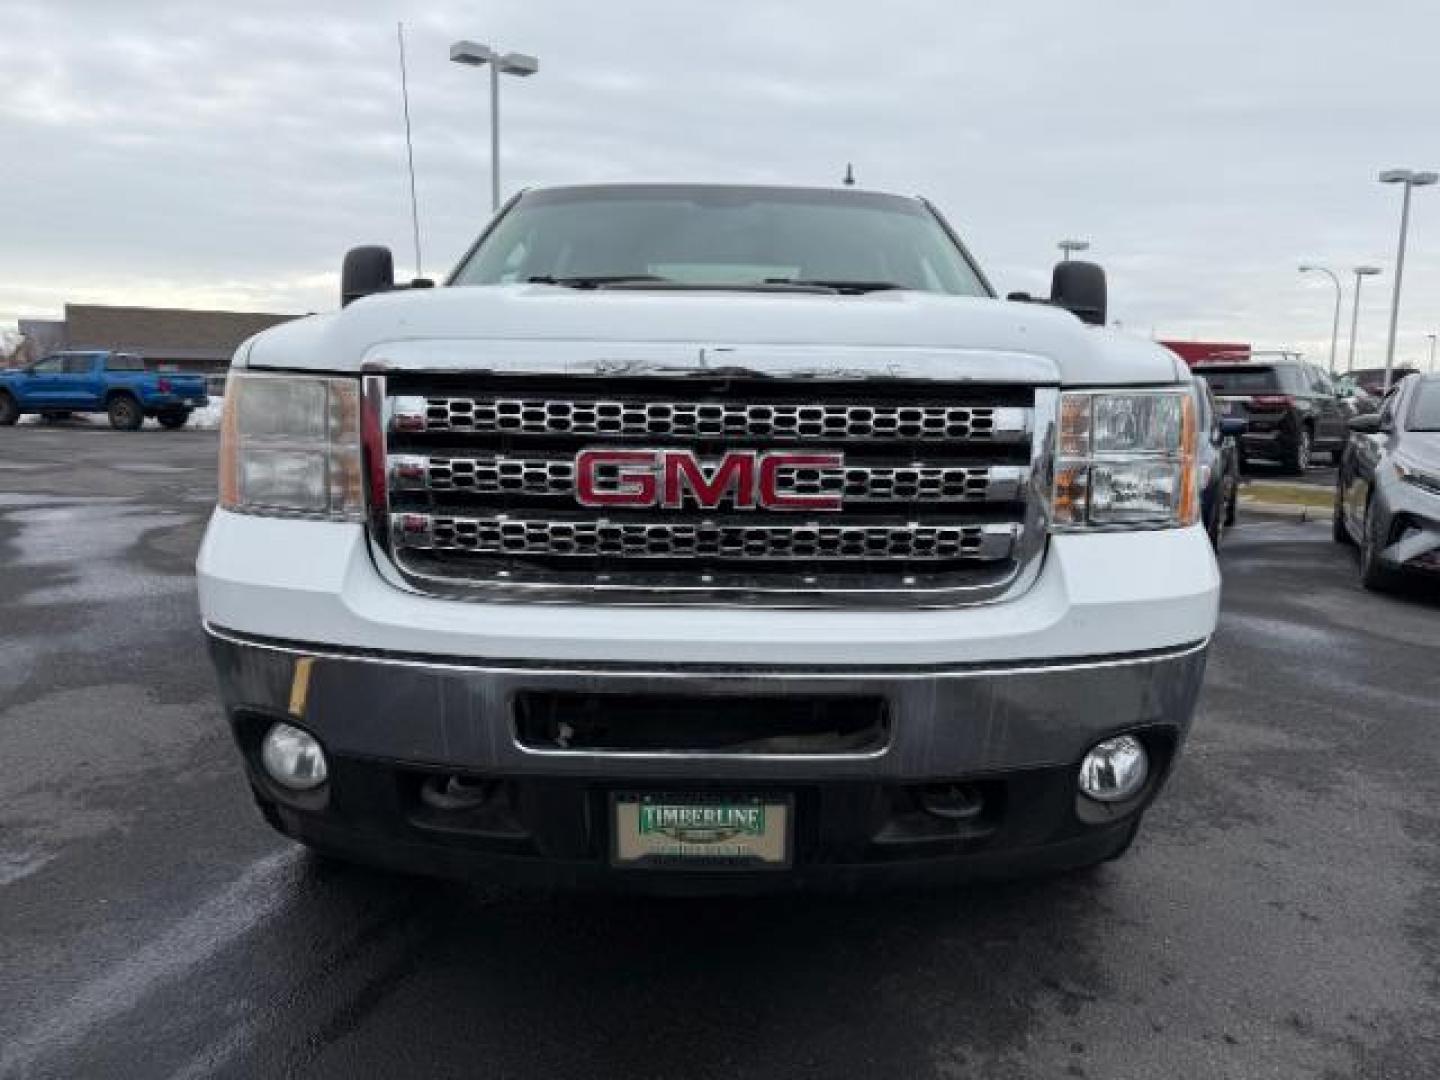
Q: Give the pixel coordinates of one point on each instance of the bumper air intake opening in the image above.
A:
(450, 802)
(640, 723)
(939, 812)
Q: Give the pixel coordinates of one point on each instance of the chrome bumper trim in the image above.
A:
(946, 723)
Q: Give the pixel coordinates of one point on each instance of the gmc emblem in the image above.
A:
(749, 480)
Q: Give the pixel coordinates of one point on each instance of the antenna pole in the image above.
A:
(409, 149)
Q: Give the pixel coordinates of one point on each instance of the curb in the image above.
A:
(1297, 511)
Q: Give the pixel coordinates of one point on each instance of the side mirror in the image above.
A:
(1368, 424)
(1079, 287)
(1234, 425)
(366, 270)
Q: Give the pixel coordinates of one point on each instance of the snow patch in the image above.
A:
(208, 418)
(73, 418)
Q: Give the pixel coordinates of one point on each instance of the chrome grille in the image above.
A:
(672, 540)
(500, 475)
(926, 494)
(715, 419)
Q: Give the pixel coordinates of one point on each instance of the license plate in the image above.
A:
(701, 831)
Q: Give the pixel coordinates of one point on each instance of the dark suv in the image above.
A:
(1292, 409)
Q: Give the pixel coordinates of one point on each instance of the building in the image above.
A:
(169, 338)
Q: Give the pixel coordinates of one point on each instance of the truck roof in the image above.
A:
(645, 189)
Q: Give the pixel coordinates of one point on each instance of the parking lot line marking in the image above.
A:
(239, 908)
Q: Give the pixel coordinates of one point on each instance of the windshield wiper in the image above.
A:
(592, 281)
(840, 285)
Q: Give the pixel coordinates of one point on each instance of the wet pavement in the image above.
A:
(1279, 917)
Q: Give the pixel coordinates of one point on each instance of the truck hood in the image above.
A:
(551, 328)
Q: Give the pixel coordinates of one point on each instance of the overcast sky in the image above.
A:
(159, 152)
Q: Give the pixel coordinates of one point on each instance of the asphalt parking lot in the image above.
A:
(1320, 476)
(1280, 916)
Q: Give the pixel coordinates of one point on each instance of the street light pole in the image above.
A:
(1068, 246)
(1335, 326)
(1361, 272)
(494, 137)
(475, 55)
(1432, 351)
(1411, 179)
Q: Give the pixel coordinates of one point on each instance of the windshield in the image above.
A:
(1425, 413)
(728, 237)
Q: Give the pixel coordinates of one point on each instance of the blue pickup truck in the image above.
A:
(114, 383)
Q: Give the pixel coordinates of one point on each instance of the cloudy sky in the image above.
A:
(207, 154)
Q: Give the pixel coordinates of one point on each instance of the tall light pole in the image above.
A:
(1361, 273)
(475, 55)
(1335, 327)
(1411, 179)
(1069, 246)
(1432, 351)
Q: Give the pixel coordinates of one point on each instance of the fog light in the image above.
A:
(1115, 769)
(293, 758)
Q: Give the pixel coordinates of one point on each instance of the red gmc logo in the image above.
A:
(747, 479)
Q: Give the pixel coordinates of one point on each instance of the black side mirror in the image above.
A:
(366, 270)
(1368, 424)
(1079, 287)
(1234, 425)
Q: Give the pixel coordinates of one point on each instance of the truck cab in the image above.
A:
(708, 538)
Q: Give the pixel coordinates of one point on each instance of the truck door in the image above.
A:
(75, 385)
(41, 383)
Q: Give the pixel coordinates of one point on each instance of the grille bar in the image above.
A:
(710, 419)
(500, 474)
(503, 535)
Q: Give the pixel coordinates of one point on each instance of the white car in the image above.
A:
(698, 538)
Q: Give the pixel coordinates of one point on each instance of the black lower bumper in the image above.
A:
(861, 783)
(554, 834)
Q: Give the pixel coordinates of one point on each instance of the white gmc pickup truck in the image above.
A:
(697, 538)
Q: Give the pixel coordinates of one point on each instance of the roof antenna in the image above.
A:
(849, 180)
(409, 149)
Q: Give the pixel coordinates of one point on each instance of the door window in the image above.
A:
(49, 366)
(77, 365)
(1297, 381)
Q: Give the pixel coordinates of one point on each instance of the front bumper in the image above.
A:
(1412, 526)
(1015, 731)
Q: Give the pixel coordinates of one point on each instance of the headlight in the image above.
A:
(1413, 473)
(290, 446)
(1126, 460)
